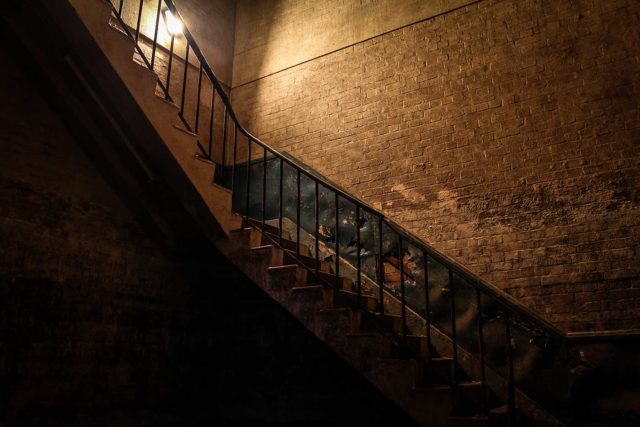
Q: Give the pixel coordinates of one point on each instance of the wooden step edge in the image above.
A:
(188, 132)
(262, 248)
(307, 288)
(469, 384)
(499, 411)
(163, 99)
(283, 267)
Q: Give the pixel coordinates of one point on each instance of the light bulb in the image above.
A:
(174, 26)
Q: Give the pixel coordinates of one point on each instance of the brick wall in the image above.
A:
(101, 325)
(506, 134)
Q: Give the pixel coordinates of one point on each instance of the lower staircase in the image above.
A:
(415, 367)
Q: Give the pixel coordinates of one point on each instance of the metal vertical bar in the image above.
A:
(211, 117)
(380, 267)
(184, 80)
(298, 214)
(264, 186)
(120, 8)
(280, 201)
(155, 35)
(317, 233)
(403, 301)
(166, 94)
(453, 329)
(511, 397)
(138, 20)
(235, 149)
(481, 349)
(427, 306)
(337, 241)
(246, 206)
(197, 119)
(224, 142)
(358, 263)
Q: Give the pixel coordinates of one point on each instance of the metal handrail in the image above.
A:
(415, 241)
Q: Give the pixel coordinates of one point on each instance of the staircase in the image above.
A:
(446, 347)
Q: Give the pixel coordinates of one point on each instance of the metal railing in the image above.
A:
(500, 334)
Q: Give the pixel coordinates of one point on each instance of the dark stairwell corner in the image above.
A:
(104, 323)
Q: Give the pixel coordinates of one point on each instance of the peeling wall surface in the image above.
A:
(504, 133)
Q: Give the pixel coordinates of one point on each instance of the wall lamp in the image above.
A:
(173, 25)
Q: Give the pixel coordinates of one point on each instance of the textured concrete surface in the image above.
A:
(504, 133)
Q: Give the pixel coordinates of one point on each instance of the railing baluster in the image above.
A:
(224, 142)
(140, 4)
(197, 118)
(317, 233)
(481, 349)
(280, 201)
(337, 250)
(380, 267)
(155, 34)
(233, 168)
(298, 214)
(246, 206)
(211, 119)
(511, 389)
(168, 88)
(403, 301)
(454, 376)
(264, 187)
(358, 266)
(427, 306)
(184, 80)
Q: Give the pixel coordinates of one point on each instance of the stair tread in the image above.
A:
(283, 267)
(469, 384)
(307, 288)
(500, 410)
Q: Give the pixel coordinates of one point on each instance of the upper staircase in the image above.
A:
(444, 345)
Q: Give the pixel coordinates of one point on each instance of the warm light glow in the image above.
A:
(174, 26)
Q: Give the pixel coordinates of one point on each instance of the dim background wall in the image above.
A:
(100, 324)
(505, 133)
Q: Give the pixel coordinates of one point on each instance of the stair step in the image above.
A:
(249, 234)
(374, 321)
(417, 344)
(307, 261)
(284, 276)
(350, 299)
(285, 243)
(274, 255)
(468, 398)
(268, 228)
(330, 279)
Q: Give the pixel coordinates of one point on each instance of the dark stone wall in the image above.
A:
(102, 325)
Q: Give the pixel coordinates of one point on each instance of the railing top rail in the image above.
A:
(499, 295)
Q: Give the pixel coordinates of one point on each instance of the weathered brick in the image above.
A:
(515, 121)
